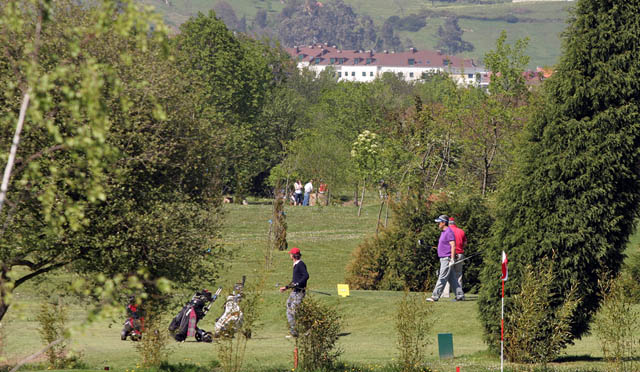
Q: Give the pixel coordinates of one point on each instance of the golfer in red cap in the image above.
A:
(298, 285)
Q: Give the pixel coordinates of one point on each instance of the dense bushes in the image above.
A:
(403, 255)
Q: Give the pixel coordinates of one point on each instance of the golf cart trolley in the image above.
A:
(231, 319)
(133, 326)
(185, 324)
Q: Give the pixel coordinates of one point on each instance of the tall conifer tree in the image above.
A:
(574, 191)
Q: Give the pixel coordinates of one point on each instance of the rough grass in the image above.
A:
(326, 237)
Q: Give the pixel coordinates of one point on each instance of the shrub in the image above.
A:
(153, 347)
(318, 327)
(617, 324)
(538, 325)
(402, 255)
(413, 323)
(53, 320)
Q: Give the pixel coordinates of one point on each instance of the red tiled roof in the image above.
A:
(413, 58)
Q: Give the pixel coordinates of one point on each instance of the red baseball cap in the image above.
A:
(295, 250)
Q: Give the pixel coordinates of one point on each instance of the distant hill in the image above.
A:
(395, 24)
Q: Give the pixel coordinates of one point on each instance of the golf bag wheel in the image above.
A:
(123, 335)
(136, 337)
(202, 336)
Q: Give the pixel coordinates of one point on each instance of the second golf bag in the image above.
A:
(185, 324)
(231, 319)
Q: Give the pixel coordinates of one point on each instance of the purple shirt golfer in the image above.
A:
(446, 252)
(444, 244)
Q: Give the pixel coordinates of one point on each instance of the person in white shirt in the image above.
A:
(308, 188)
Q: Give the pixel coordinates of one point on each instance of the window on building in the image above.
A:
(364, 73)
(353, 73)
(470, 76)
(332, 60)
(411, 74)
(369, 60)
(341, 60)
(445, 62)
(300, 57)
(400, 74)
(356, 61)
(370, 73)
(412, 61)
(318, 59)
(339, 74)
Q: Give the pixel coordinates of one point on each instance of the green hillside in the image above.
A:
(542, 22)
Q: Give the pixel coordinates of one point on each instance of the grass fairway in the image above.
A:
(326, 237)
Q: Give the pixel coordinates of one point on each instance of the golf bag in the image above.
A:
(133, 326)
(231, 319)
(185, 324)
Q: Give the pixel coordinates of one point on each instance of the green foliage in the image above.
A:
(573, 193)
(306, 23)
(318, 326)
(279, 223)
(153, 347)
(538, 324)
(403, 255)
(236, 77)
(450, 35)
(65, 157)
(413, 325)
(617, 324)
(53, 330)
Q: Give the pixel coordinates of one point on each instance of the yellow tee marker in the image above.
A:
(343, 290)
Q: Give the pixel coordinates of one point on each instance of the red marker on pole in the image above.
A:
(295, 358)
(505, 276)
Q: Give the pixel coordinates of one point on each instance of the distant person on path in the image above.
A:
(297, 193)
(308, 188)
(298, 285)
(461, 242)
(446, 252)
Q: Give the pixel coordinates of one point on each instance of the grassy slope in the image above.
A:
(326, 236)
(545, 21)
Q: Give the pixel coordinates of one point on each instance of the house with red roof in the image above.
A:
(366, 66)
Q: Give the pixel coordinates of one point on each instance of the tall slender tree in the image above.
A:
(573, 194)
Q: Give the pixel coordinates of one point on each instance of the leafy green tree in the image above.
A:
(237, 75)
(115, 171)
(63, 154)
(573, 193)
(492, 121)
(365, 153)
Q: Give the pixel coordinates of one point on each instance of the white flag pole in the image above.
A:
(505, 275)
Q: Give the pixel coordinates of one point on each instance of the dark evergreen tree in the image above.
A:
(450, 35)
(574, 192)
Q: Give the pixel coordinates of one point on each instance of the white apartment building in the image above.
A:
(365, 66)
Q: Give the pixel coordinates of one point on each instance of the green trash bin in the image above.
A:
(445, 345)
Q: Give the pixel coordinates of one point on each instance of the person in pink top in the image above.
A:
(461, 242)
